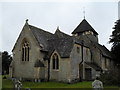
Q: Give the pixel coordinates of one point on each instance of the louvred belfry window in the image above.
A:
(25, 51)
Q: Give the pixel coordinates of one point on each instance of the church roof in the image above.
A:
(62, 45)
(84, 26)
(62, 42)
(93, 65)
(41, 36)
(60, 34)
(59, 41)
(104, 50)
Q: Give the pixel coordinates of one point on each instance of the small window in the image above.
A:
(55, 61)
(105, 63)
(78, 49)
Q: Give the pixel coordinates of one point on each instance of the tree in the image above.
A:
(113, 76)
(6, 60)
(115, 40)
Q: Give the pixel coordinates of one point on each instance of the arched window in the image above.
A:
(25, 51)
(55, 61)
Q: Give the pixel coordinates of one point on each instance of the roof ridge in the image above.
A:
(61, 34)
(60, 31)
(40, 29)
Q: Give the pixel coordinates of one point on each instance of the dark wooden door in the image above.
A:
(88, 74)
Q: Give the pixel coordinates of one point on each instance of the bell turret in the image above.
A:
(85, 29)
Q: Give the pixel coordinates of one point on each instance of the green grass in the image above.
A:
(8, 84)
(56, 85)
(0, 81)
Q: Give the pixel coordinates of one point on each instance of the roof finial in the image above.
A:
(26, 20)
(84, 12)
(57, 27)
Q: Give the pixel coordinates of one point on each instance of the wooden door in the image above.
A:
(88, 74)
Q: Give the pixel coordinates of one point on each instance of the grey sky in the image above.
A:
(119, 10)
(49, 15)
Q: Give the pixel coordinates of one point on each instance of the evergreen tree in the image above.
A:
(115, 40)
(6, 60)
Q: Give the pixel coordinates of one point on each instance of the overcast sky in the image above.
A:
(49, 15)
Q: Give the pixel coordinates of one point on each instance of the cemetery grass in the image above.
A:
(9, 84)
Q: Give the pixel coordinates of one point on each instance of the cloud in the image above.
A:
(49, 15)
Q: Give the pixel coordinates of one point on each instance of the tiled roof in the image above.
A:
(93, 65)
(104, 50)
(84, 26)
(62, 45)
(62, 42)
(60, 34)
(59, 41)
(41, 36)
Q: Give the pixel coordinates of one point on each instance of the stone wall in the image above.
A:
(63, 73)
(96, 56)
(76, 59)
(87, 54)
(25, 69)
(107, 64)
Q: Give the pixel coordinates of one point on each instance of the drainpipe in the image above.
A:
(83, 60)
(48, 69)
(82, 44)
(82, 51)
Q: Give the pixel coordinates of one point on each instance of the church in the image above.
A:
(43, 56)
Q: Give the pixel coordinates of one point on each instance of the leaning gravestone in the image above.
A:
(17, 84)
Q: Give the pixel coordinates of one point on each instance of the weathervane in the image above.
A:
(84, 12)
(57, 27)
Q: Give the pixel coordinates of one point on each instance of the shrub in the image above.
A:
(111, 77)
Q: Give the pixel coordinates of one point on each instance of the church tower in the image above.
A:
(85, 29)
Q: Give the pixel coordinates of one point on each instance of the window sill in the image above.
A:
(55, 70)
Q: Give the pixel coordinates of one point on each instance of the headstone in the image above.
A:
(97, 84)
(17, 84)
(14, 83)
(35, 80)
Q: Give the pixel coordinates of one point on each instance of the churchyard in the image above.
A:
(86, 84)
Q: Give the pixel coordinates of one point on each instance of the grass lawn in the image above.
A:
(8, 84)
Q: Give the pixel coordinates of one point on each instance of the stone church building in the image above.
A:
(41, 55)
